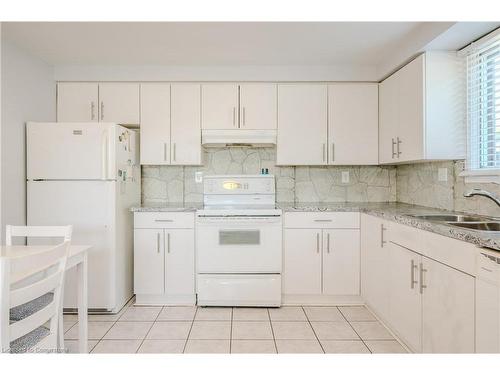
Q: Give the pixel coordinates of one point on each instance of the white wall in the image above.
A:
(28, 92)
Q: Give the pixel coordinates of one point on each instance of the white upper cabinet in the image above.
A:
(258, 102)
(353, 124)
(77, 102)
(302, 124)
(119, 102)
(155, 123)
(219, 106)
(185, 124)
(421, 110)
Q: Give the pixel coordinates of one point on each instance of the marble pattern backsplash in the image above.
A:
(170, 184)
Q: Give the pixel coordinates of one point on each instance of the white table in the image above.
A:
(78, 255)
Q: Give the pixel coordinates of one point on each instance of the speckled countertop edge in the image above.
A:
(397, 212)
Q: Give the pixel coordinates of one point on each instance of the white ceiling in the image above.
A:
(202, 44)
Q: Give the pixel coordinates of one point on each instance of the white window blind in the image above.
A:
(483, 106)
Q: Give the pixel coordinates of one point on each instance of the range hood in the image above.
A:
(238, 138)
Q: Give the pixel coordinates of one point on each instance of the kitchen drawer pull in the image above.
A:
(422, 282)
(317, 243)
(158, 242)
(323, 220)
(413, 282)
(164, 220)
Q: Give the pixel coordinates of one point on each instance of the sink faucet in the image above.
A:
(483, 193)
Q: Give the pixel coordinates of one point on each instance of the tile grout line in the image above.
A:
(272, 331)
(189, 332)
(149, 330)
(310, 325)
(231, 332)
(350, 325)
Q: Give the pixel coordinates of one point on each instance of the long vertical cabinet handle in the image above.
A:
(317, 243)
(422, 281)
(328, 243)
(382, 240)
(102, 110)
(92, 110)
(174, 151)
(158, 242)
(413, 268)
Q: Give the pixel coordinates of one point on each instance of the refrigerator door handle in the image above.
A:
(104, 155)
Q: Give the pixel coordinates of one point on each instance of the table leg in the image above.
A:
(81, 270)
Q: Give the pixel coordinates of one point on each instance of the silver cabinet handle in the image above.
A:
(165, 151)
(234, 116)
(158, 242)
(174, 151)
(92, 110)
(168, 243)
(323, 220)
(422, 281)
(317, 243)
(244, 117)
(393, 144)
(399, 142)
(328, 243)
(382, 241)
(413, 267)
(324, 152)
(164, 220)
(102, 110)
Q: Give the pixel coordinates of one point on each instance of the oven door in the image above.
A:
(239, 244)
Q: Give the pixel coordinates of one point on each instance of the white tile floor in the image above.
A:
(172, 329)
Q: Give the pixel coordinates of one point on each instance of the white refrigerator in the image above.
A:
(88, 175)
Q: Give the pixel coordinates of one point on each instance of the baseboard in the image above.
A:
(323, 300)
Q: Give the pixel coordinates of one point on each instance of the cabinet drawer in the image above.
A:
(338, 220)
(164, 220)
(405, 236)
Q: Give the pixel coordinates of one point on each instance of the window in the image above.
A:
(483, 107)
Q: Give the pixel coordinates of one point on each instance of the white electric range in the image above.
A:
(239, 242)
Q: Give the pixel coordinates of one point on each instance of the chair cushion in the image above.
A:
(24, 343)
(23, 311)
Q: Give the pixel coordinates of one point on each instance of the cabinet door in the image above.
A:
(302, 124)
(119, 102)
(375, 264)
(411, 110)
(155, 123)
(302, 261)
(77, 102)
(448, 309)
(185, 127)
(388, 119)
(258, 106)
(149, 261)
(353, 124)
(405, 304)
(179, 271)
(341, 262)
(219, 106)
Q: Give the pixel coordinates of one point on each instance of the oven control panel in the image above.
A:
(242, 184)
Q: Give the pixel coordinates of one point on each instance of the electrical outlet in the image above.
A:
(198, 177)
(345, 177)
(443, 174)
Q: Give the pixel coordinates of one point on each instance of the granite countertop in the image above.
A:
(168, 207)
(401, 213)
(397, 212)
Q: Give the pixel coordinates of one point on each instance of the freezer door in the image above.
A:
(90, 207)
(70, 151)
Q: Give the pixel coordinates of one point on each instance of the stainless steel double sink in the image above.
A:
(479, 223)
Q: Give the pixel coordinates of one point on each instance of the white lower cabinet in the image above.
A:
(164, 258)
(320, 264)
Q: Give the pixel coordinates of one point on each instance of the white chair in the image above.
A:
(31, 332)
(47, 234)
